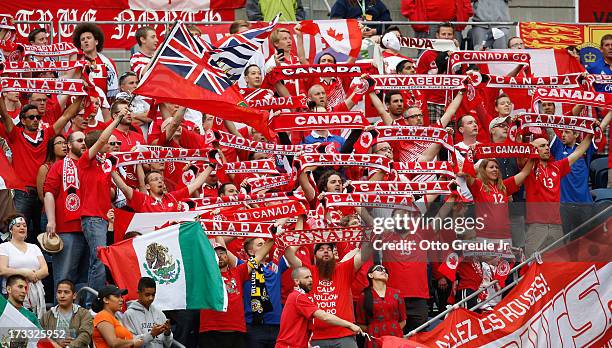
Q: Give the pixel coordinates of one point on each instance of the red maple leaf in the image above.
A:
(332, 33)
(188, 177)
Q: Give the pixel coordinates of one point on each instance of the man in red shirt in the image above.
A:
(124, 134)
(300, 311)
(28, 144)
(157, 198)
(228, 329)
(332, 291)
(543, 191)
(49, 109)
(94, 176)
(62, 206)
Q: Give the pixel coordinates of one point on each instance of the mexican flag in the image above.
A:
(12, 319)
(180, 260)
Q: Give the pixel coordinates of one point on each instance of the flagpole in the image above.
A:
(157, 52)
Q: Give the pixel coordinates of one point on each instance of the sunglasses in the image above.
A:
(33, 117)
(379, 269)
(114, 143)
(413, 116)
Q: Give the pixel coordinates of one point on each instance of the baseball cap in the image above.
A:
(497, 121)
(318, 246)
(218, 246)
(111, 290)
(390, 40)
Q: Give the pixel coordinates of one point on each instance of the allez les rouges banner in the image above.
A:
(556, 305)
(116, 35)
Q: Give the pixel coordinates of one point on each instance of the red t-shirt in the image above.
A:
(53, 184)
(28, 154)
(334, 296)
(492, 206)
(233, 319)
(426, 63)
(406, 264)
(53, 111)
(296, 321)
(95, 186)
(143, 203)
(543, 192)
(129, 139)
(469, 275)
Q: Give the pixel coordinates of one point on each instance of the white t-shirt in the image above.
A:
(19, 259)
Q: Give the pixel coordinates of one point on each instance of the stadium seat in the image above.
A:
(601, 195)
(598, 173)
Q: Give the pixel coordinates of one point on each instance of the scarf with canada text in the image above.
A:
(230, 140)
(321, 235)
(41, 65)
(268, 213)
(308, 121)
(341, 70)
(280, 103)
(487, 57)
(415, 133)
(572, 96)
(265, 166)
(241, 200)
(437, 167)
(368, 200)
(503, 150)
(43, 85)
(58, 49)
(428, 44)
(167, 154)
(420, 82)
(342, 160)
(284, 182)
(218, 227)
(400, 188)
(580, 124)
(561, 81)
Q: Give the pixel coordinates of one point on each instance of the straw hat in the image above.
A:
(51, 243)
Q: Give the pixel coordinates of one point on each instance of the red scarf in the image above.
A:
(58, 49)
(368, 200)
(41, 65)
(580, 124)
(241, 200)
(308, 121)
(342, 160)
(561, 81)
(237, 229)
(230, 140)
(505, 150)
(321, 235)
(290, 102)
(428, 44)
(415, 133)
(70, 189)
(487, 57)
(572, 96)
(265, 166)
(165, 154)
(268, 213)
(420, 82)
(43, 85)
(438, 167)
(285, 182)
(341, 70)
(400, 188)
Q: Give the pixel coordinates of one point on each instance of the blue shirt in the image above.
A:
(273, 274)
(575, 185)
(601, 67)
(311, 139)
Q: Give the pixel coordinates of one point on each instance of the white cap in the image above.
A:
(391, 41)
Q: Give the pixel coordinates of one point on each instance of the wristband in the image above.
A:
(356, 98)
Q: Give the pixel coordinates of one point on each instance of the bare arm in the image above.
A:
(451, 109)
(110, 337)
(281, 89)
(380, 107)
(200, 179)
(40, 180)
(127, 190)
(334, 320)
(6, 119)
(580, 150)
(177, 118)
(231, 127)
(103, 139)
(292, 259)
(309, 191)
(300, 44)
(68, 114)
(49, 201)
(606, 120)
(519, 178)
(43, 271)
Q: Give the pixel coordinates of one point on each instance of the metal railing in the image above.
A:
(536, 256)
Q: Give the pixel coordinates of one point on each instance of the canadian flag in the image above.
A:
(343, 35)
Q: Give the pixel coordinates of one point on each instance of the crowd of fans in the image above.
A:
(57, 146)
